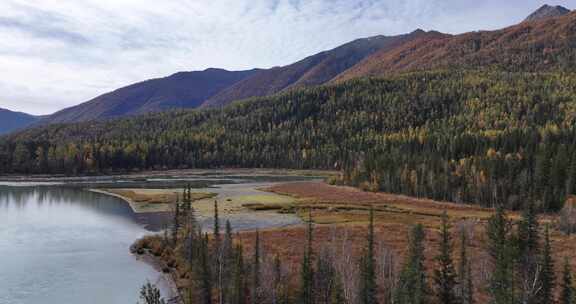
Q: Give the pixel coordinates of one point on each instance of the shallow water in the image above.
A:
(61, 245)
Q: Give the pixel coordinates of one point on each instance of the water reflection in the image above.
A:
(64, 245)
(36, 197)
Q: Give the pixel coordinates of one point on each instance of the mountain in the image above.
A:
(540, 45)
(314, 70)
(181, 90)
(11, 121)
(547, 11)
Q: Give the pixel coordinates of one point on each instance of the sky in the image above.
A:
(59, 53)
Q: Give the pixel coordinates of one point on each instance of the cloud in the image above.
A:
(41, 24)
(58, 53)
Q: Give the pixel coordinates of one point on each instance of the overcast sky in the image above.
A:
(58, 53)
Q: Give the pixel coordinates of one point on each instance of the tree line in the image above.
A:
(519, 266)
(481, 137)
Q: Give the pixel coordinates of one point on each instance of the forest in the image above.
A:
(471, 136)
(221, 267)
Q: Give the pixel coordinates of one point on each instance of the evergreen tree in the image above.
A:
(368, 267)
(547, 276)
(176, 223)
(567, 288)
(150, 294)
(466, 290)
(205, 273)
(255, 290)
(412, 286)
(216, 224)
(307, 273)
(239, 287)
(527, 255)
(444, 274)
(501, 283)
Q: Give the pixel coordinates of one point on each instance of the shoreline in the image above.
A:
(166, 173)
(173, 296)
(136, 207)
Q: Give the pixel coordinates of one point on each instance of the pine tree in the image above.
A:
(527, 253)
(205, 272)
(216, 224)
(368, 266)
(412, 286)
(501, 283)
(239, 286)
(176, 223)
(547, 276)
(445, 275)
(567, 294)
(255, 292)
(307, 274)
(466, 290)
(150, 294)
(226, 256)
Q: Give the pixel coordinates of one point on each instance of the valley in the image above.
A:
(415, 168)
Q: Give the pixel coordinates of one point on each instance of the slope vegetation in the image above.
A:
(181, 90)
(541, 45)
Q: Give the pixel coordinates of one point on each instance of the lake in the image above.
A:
(66, 245)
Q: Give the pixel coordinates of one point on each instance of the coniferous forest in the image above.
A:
(478, 137)
(224, 267)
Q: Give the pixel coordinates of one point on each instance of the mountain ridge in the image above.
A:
(537, 45)
(11, 121)
(547, 11)
(179, 90)
(310, 71)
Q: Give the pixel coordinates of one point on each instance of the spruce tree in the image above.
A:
(255, 288)
(239, 285)
(176, 223)
(501, 283)
(444, 274)
(368, 267)
(150, 294)
(306, 295)
(527, 255)
(466, 290)
(216, 223)
(567, 293)
(205, 272)
(547, 276)
(412, 286)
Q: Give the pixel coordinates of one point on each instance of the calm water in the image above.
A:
(60, 245)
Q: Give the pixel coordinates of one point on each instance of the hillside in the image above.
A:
(181, 90)
(475, 136)
(540, 45)
(11, 121)
(313, 70)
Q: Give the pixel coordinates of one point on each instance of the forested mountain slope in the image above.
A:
(11, 121)
(181, 90)
(464, 136)
(314, 70)
(544, 44)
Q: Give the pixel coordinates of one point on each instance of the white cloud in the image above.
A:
(57, 53)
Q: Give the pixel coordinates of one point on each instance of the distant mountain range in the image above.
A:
(545, 40)
(181, 90)
(10, 121)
